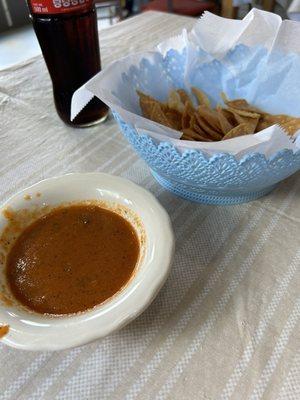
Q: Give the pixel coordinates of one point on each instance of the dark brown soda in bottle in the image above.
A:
(68, 36)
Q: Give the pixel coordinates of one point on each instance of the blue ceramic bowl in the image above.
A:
(220, 179)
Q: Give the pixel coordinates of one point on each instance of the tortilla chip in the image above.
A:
(186, 137)
(239, 119)
(174, 119)
(191, 134)
(242, 104)
(240, 130)
(262, 125)
(268, 120)
(185, 120)
(246, 120)
(146, 103)
(159, 116)
(192, 121)
(243, 113)
(174, 101)
(197, 129)
(201, 97)
(210, 116)
(229, 116)
(184, 97)
(203, 138)
(194, 125)
(188, 113)
(224, 121)
(292, 126)
(276, 119)
(145, 97)
(253, 122)
(224, 97)
(147, 108)
(210, 132)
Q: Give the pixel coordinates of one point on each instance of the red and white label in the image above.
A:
(58, 6)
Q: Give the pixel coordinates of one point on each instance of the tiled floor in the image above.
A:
(17, 45)
(20, 44)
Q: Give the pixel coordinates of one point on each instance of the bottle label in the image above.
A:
(58, 6)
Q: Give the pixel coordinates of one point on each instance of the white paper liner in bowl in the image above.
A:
(257, 58)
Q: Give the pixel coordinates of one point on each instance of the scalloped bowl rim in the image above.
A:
(213, 157)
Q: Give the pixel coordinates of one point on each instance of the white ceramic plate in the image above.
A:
(33, 331)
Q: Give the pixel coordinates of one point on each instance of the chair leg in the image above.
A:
(268, 5)
(228, 10)
(110, 15)
(119, 10)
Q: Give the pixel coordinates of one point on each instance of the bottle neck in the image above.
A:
(59, 7)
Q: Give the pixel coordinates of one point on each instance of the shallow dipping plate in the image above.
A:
(33, 331)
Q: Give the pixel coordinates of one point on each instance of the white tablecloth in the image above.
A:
(226, 323)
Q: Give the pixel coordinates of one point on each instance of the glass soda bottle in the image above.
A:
(68, 36)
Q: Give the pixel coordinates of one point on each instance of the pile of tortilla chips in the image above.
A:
(204, 123)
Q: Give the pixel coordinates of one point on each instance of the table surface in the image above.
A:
(226, 323)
